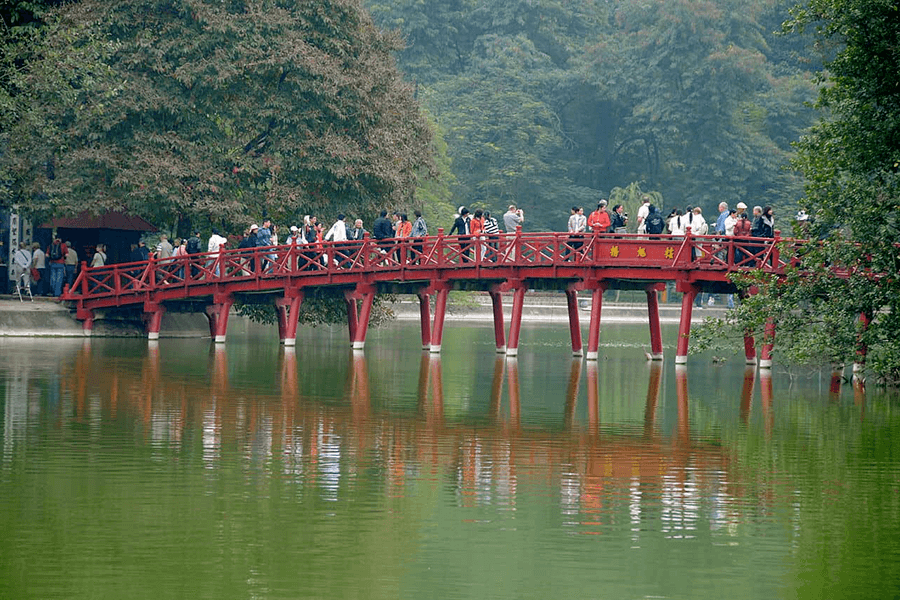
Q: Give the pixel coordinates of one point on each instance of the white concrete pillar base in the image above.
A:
(650, 356)
(289, 341)
(219, 339)
(577, 352)
(765, 364)
(358, 345)
(435, 349)
(681, 360)
(87, 332)
(512, 351)
(501, 349)
(751, 361)
(592, 355)
(153, 335)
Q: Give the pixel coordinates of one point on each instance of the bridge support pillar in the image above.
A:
(425, 318)
(217, 313)
(352, 315)
(656, 347)
(593, 351)
(515, 325)
(499, 325)
(749, 349)
(86, 316)
(366, 293)
(765, 356)
(859, 366)
(440, 311)
(288, 312)
(574, 322)
(689, 293)
(153, 312)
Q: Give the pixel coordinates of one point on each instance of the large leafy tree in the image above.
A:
(552, 103)
(850, 162)
(214, 110)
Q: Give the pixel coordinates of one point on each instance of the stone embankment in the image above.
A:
(45, 317)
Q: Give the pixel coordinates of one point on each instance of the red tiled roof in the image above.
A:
(110, 220)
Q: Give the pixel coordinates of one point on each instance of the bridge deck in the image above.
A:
(410, 264)
(432, 266)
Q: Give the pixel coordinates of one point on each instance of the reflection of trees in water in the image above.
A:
(602, 473)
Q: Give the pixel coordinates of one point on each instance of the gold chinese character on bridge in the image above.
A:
(614, 251)
(642, 253)
(670, 252)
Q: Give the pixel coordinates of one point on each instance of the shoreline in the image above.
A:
(47, 318)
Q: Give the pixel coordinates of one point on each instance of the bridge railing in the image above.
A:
(717, 253)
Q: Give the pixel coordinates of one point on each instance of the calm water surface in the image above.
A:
(183, 470)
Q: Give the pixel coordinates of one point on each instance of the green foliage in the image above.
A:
(435, 194)
(214, 112)
(549, 104)
(326, 308)
(851, 163)
(631, 198)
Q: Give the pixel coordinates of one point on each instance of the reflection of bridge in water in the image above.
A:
(429, 268)
(312, 441)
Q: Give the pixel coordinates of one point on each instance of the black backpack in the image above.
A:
(655, 223)
(193, 245)
(55, 251)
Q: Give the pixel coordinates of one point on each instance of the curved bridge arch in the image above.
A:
(432, 266)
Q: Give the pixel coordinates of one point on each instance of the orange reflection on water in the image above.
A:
(319, 444)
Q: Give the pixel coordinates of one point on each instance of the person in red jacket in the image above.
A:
(742, 228)
(599, 220)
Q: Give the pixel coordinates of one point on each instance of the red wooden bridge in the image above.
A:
(432, 266)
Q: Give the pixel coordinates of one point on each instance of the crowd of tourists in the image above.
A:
(47, 270)
(44, 271)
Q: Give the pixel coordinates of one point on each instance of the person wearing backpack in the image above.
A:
(654, 223)
(56, 254)
(194, 246)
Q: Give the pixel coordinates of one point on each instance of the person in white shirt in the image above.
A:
(21, 265)
(730, 222)
(39, 263)
(642, 213)
(215, 243)
(678, 223)
(698, 223)
(99, 258)
(338, 233)
(577, 225)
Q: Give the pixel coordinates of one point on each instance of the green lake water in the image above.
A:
(246, 470)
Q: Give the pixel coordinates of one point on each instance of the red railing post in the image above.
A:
(765, 356)
(656, 346)
(517, 244)
(85, 275)
(574, 321)
(425, 317)
(775, 252)
(439, 251)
